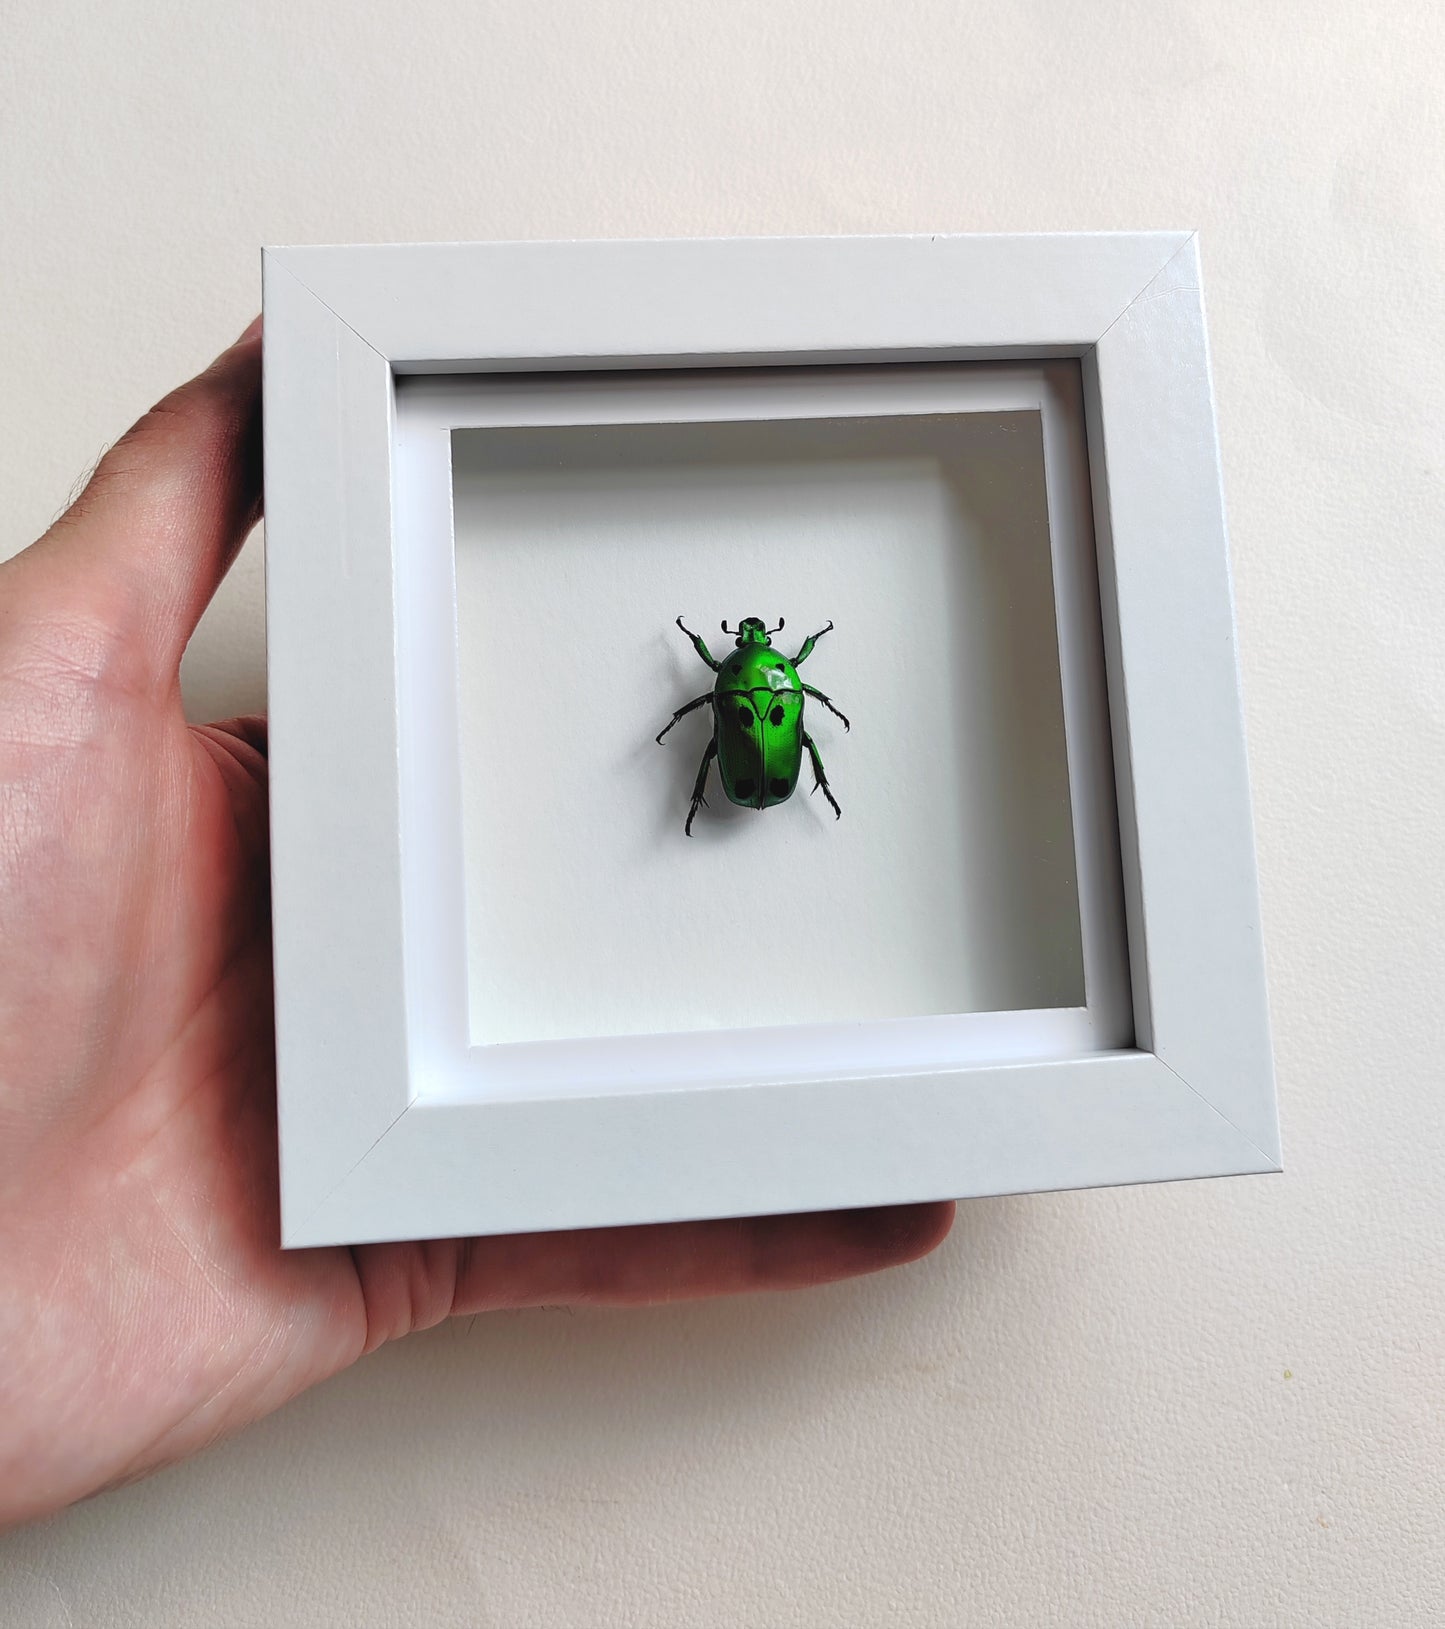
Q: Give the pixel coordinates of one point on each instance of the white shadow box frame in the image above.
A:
(501, 968)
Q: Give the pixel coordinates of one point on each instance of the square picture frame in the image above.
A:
(397, 1119)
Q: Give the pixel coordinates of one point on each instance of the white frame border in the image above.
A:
(365, 1153)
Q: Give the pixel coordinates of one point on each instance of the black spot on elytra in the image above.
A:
(745, 788)
(745, 716)
(776, 716)
(778, 787)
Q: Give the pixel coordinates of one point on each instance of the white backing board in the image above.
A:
(948, 886)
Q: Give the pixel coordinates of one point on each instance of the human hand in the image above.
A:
(145, 1307)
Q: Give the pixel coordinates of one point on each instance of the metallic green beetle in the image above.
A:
(757, 708)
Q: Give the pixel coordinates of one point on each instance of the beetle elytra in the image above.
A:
(758, 737)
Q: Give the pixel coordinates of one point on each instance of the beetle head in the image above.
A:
(753, 631)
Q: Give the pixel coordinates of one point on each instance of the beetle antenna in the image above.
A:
(778, 629)
(726, 629)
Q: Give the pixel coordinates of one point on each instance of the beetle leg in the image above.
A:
(818, 695)
(682, 712)
(808, 644)
(700, 785)
(820, 778)
(698, 645)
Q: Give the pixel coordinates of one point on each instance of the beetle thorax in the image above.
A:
(757, 667)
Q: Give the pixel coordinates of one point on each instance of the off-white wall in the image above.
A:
(1212, 1404)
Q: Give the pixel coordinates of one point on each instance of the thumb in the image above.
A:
(142, 549)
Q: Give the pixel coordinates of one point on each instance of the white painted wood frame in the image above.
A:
(391, 1125)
